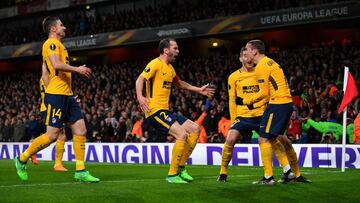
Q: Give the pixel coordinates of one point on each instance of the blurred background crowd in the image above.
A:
(110, 108)
(314, 72)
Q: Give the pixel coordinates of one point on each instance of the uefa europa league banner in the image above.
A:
(309, 155)
(249, 22)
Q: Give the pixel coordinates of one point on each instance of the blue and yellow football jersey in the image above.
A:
(272, 83)
(244, 84)
(59, 81)
(159, 80)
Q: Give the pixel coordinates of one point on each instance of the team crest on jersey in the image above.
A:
(147, 69)
(52, 47)
(53, 120)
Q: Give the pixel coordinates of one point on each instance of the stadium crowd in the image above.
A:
(110, 107)
(88, 23)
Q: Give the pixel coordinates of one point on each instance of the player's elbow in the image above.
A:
(80, 131)
(139, 81)
(57, 66)
(179, 85)
(197, 129)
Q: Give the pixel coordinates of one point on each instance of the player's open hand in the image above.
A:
(83, 70)
(143, 104)
(207, 90)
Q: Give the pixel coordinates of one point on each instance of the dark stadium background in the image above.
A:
(311, 39)
(298, 45)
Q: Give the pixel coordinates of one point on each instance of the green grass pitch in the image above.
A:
(146, 183)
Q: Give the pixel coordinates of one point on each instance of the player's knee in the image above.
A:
(197, 129)
(232, 137)
(81, 131)
(53, 136)
(285, 142)
(183, 135)
(194, 128)
(62, 137)
(230, 140)
(263, 140)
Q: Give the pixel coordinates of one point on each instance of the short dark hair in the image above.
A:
(165, 43)
(48, 22)
(258, 44)
(242, 51)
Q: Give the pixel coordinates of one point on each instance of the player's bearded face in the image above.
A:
(246, 61)
(173, 51)
(249, 53)
(60, 28)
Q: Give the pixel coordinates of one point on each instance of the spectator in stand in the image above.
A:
(89, 127)
(202, 137)
(224, 125)
(88, 23)
(137, 131)
(8, 131)
(19, 130)
(102, 135)
(33, 127)
(357, 130)
(121, 130)
(210, 123)
(1, 130)
(333, 131)
(294, 129)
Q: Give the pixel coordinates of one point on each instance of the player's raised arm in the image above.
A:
(205, 90)
(59, 65)
(143, 101)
